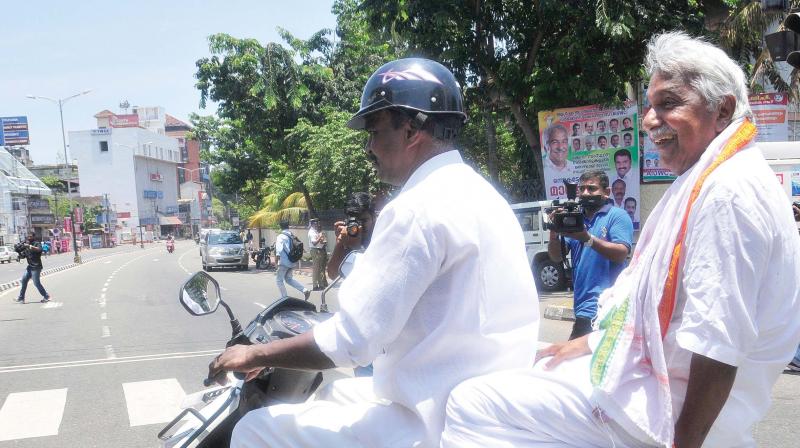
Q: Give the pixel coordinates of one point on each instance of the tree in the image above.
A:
(337, 164)
(742, 35)
(271, 97)
(528, 56)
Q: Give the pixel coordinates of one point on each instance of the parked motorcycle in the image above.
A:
(208, 416)
(170, 246)
(262, 258)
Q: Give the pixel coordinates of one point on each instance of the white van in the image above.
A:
(550, 276)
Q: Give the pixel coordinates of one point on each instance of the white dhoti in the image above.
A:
(345, 413)
(531, 408)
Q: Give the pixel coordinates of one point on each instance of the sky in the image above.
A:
(141, 51)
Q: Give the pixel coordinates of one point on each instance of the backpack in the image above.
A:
(295, 252)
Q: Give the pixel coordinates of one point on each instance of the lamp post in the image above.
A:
(60, 102)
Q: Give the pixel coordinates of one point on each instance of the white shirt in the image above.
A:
(282, 246)
(313, 234)
(443, 293)
(739, 299)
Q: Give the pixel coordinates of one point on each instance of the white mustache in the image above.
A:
(658, 133)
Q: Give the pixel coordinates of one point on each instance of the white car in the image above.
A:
(6, 254)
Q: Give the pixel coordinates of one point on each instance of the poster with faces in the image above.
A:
(593, 138)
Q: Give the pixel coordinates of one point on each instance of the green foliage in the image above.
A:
(741, 34)
(220, 213)
(292, 209)
(527, 57)
(54, 183)
(337, 164)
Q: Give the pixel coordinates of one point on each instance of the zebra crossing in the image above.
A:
(39, 413)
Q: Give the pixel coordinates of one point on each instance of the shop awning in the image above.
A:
(169, 221)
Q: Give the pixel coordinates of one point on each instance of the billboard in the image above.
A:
(14, 131)
(579, 139)
(770, 111)
(124, 121)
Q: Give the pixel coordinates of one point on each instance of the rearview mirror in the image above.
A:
(349, 263)
(200, 294)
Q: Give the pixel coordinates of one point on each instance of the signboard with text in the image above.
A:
(156, 177)
(14, 131)
(124, 121)
(42, 219)
(770, 111)
(579, 139)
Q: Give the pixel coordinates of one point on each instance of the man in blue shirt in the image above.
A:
(598, 253)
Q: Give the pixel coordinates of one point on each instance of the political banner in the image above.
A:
(770, 111)
(579, 139)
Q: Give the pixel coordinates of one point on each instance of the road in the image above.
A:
(107, 362)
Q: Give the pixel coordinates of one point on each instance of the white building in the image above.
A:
(22, 204)
(136, 168)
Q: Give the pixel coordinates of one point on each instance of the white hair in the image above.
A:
(702, 65)
(548, 133)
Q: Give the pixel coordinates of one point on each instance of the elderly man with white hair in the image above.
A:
(694, 333)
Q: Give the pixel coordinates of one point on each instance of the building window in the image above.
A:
(103, 146)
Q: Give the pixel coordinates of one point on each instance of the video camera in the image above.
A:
(353, 226)
(568, 217)
(21, 248)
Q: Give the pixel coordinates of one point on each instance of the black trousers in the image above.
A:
(581, 327)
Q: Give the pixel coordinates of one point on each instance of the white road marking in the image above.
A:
(110, 352)
(32, 414)
(103, 316)
(105, 284)
(103, 296)
(104, 289)
(53, 305)
(107, 262)
(106, 331)
(155, 259)
(150, 402)
(99, 362)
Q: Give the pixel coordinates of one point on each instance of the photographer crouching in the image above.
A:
(599, 244)
(31, 251)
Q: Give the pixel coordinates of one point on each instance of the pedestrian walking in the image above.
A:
(283, 245)
(319, 254)
(32, 252)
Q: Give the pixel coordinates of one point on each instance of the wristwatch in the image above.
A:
(589, 242)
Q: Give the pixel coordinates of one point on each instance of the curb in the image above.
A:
(15, 283)
(559, 312)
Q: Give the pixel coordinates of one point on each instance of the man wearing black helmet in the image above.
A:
(427, 301)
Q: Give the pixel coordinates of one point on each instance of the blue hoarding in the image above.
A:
(14, 131)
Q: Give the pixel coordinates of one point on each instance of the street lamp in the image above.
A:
(60, 102)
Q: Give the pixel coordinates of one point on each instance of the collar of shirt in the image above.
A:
(603, 210)
(431, 165)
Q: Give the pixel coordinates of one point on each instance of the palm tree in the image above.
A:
(291, 209)
(741, 33)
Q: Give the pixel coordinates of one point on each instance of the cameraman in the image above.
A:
(360, 211)
(598, 253)
(31, 250)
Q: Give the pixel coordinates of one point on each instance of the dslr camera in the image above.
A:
(353, 226)
(568, 217)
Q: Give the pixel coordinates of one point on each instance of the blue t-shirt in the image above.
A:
(592, 273)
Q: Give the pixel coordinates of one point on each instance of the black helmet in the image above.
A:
(415, 84)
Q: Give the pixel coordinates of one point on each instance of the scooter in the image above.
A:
(208, 416)
(170, 246)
